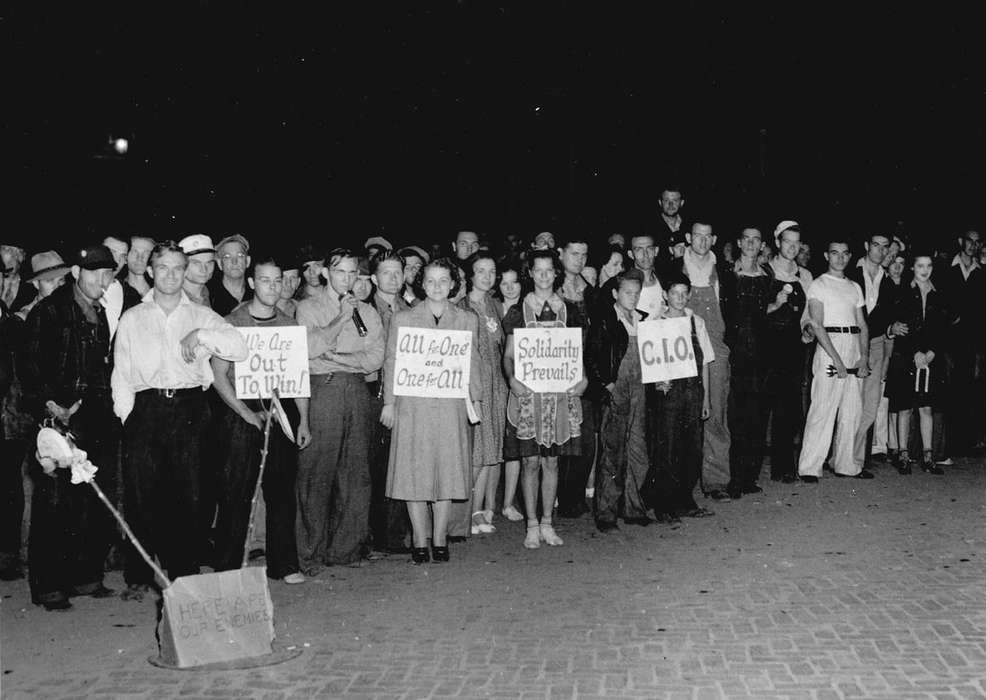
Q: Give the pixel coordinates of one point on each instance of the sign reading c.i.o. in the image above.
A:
(666, 350)
(277, 359)
(548, 360)
(432, 363)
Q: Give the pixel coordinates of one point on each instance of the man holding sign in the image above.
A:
(242, 432)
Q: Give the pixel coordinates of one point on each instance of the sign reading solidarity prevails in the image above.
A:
(432, 363)
(666, 350)
(277, 359)
(548, 360)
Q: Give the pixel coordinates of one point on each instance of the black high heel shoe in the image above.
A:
(439, 553)
(420, 555)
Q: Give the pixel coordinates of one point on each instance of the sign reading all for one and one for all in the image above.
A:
(666, 350)
(432, 363)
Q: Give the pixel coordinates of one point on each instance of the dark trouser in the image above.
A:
(389, 522)
(237, 481)
(11, 501)
(573, 472)
(678, 445)
(962, 417)
(210, 473)
(623, 463)
(334, 473)
(71, 530)
(161, 462)
(745, 416)
(781, 400)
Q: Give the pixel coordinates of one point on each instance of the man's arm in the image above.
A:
(304, 436)
(816, 319)
(370, 358)
(220, 338)
(121, 381)
(864, 344)
(227, 392)
(321, 339)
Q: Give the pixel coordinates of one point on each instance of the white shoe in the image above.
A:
(481, 527)
(549, 536)
(512, 514)
(295, 578)
(947, 462)
(532, 540)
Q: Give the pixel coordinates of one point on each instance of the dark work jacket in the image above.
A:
(927, 331)
(607, 344)
(55, 363)
(965, 299)
(727, 286)
(880, 318)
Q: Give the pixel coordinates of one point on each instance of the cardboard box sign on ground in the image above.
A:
(666, 351)
(211, 618)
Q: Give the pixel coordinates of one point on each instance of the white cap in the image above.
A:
(782, 227)
(196, 243)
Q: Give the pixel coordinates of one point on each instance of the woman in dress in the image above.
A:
(487, 446)
(540, 427)
(508, 292)
(916, 378)
(430, 449)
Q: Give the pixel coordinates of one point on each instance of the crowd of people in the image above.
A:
(869, 353)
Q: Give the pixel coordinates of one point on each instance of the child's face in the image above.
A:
(628, 294)
(678, 296)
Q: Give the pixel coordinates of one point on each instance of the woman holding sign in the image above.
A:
(487, 448)
(541, 426)
(430, 447)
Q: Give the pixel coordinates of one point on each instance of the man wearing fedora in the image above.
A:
(201, 256)
(48, 274)
(66, 380)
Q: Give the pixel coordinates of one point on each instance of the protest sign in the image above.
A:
(432, 363)
(666, 350)
(277, 359)
(548, 360)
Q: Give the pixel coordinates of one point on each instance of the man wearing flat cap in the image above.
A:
(201, 256)
(66, 379)
(229, 290)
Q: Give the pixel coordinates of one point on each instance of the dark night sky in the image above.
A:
(333, 125)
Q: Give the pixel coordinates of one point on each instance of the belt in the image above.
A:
(173, 393)
(842, 329)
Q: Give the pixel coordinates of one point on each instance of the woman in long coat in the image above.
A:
(431, 446)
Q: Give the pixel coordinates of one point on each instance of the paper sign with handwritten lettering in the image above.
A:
(666, 350)
(548, 360)
(277, 359)
(433, 363)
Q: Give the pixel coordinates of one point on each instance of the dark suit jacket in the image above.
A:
(881, 317)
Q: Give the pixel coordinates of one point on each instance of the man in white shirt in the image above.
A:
(160, 373)
(644, 252)
(836, 314)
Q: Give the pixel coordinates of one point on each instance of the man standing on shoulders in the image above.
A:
(66, 378)
(242, 426)
(878, 291)
(784, 351)
(161, 370)
(135, 284)
(345, 344)
(710, 298)
(466, 243)
(201, 263)
(836, 313)
(671, 222)
(230, 288)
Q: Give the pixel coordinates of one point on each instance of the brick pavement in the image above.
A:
(841, 590)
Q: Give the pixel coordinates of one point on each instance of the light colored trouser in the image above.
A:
(872, 388)
(835, 403)
(715, 455)
(881, 431)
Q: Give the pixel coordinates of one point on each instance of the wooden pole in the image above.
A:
(260, 479)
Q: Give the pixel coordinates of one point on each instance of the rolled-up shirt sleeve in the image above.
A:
(222, 339)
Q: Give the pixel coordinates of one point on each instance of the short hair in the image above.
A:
(676, 278)
(162, 247)
(455, 272)
(631, 275)
(837, 238)
(535, 255)
(469, 264)
(407, 252)
(333, 257)
(574, 238)
(264, 260)
(386, 255)
(604, 253)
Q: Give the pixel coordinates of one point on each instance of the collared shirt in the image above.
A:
(89, 307)
(631, 325)
(704, 342)
(872, 285)
(651, 299)
(363, 354)
(966, 271)
(148, 349)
